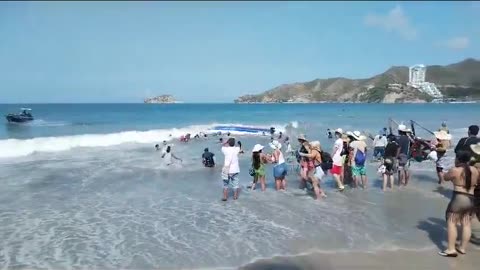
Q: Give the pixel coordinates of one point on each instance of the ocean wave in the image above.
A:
(17, 147)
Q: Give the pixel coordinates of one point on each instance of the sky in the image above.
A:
(80, 52)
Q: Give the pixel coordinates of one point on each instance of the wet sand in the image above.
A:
(394, 260)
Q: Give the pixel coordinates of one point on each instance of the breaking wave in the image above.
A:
(19, 147)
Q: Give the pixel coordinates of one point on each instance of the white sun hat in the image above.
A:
(403, 128)
(275, 145)
(475, 148)
(339, 130)
(257, 147)
(442, 135)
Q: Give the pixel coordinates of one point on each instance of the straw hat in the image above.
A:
(362, 138)
(257, 148)
(356, 135)
(315, 145)
(302, 137)
(275, 145)
(442, 135)
(339, 130)
(403, 128)
(475, 148)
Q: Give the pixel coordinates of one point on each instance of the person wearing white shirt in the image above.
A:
(337, 168)
(231, 168)
(379, 143)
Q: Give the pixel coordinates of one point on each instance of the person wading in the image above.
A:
(337, 167)
(231, 168)
(461, 207)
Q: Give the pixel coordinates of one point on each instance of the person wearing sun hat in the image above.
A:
(441, 162)
(258, 165)
(280, 169)
(358, 158)
(443, 137)
(404, 156)
(337, 168)
(316, 175)
(306, 164)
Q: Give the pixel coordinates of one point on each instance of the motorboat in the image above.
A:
(22, 117)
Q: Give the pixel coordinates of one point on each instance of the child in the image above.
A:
(441, 166)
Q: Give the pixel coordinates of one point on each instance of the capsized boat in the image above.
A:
(22, 117)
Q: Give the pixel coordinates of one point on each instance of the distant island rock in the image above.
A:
(460, 80)
(163, 99)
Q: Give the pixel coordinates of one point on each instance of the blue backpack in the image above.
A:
(360, 158)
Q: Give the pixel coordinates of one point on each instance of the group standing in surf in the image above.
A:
(347, 163)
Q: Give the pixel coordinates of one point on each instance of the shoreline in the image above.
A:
(397, 259)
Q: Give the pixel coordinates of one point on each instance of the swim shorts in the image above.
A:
(280, 171)
(232, 181)
(378, 151)
(403, 162)
(336, 170)
(358, 170)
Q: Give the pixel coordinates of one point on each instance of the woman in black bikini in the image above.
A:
(461, 207)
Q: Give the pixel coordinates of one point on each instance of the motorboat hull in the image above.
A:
(15, 118)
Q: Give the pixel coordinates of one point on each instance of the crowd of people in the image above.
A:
(347, 164)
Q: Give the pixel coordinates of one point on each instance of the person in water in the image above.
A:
(168, 155)
(259, 160)
(441, 163)
(358, 158)
(461, 207)
(379, 143)
(404, 156)
(208, 158)
(240, 145)
(475, 239)
(392, 150)
(231, 168)
(465, 143)
(305, 163)
(318, 173)
(329, 134)
(163, 149)
(337, 168)
(280, 169)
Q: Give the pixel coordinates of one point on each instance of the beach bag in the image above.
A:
(251, 171)
(360, 158)
(327, 161)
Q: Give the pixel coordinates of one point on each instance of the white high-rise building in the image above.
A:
(416, 74)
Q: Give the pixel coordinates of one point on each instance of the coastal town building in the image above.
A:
(416, 79)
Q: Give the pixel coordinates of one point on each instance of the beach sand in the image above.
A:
(394, 260)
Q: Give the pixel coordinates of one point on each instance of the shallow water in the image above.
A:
(118, 206)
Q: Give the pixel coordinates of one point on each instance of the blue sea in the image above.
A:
(83, 187)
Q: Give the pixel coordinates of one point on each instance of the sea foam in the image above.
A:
(19, 147)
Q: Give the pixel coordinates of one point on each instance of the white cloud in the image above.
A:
(394, 21)
(458, 43)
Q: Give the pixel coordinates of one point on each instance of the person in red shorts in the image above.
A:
(337, 168)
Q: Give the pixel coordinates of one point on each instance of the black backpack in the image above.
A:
(327, 161)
